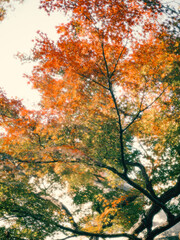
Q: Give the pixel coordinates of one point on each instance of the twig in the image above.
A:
(140, 111)
(84, 76)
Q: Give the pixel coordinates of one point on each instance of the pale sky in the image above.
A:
(16, 34)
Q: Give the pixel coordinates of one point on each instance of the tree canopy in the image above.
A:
(100, 158)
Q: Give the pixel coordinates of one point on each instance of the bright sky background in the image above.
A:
(16, 34)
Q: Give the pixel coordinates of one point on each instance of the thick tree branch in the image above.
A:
(24, 212)
(145, 176)
(154, 209)
(84, 233)
(148, 195)
(123, 176)
(162, 228)
(65, 238)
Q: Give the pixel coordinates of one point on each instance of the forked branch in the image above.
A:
(122, 160)
(144, 109)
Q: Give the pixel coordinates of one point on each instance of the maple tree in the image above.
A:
(106, 133)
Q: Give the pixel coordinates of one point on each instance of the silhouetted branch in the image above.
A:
(142, 110)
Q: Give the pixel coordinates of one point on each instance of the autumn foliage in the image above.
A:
(106, 132)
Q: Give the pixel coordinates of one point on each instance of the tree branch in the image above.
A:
(84, 76)
(101, 70)
(145, 176)
(104, 57)
(24, 212)
(123, 176)
(140, 111)
(162, 228)
(154, 209)
(111, 75)
(61, 205)
(122, 160)
(67, 237)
